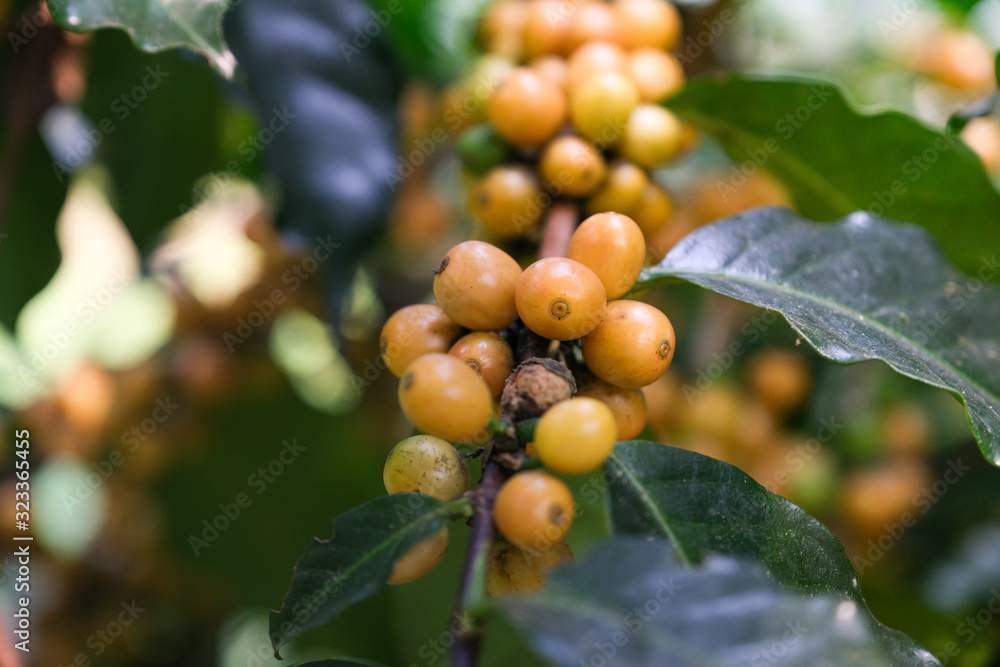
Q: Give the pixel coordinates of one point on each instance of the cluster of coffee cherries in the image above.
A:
(575, 112)
(584, 354)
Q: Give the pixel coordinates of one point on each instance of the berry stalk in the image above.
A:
(472, 599)
(560, 223)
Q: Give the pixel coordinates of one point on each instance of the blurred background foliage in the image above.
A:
(167, 290)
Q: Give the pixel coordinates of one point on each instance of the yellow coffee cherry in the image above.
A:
(502, 28)
(559, 298)
(622, 191)
(653, 136)
(612, 246)
(632, 346)
(426, 464)
(475, 285)
(551, 68)
(983, 136)
(461, 104)
(780, 379)
(420, 559)
(413, 331)
(576, 436)
(627, 405)
(601, 106)
(487, 353)
(442, 396)
(591, 58)
(654, 209)
(545, 31)
(534, 510)
(648, 23)
(526, 109)
(872, 497)
(508, 201)
(571, 166)
(591, 22)
(514, 570)
(656, 74)
(958, 58)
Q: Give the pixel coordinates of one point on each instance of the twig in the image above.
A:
(471, 596)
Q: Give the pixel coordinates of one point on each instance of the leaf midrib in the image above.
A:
(654, 509)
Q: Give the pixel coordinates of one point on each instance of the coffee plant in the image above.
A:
(535, 356)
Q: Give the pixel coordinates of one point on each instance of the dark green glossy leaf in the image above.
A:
(864, 288)
(836, 160)
(155, 25)
(632, 602)
(706, 507)
(356, 562)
